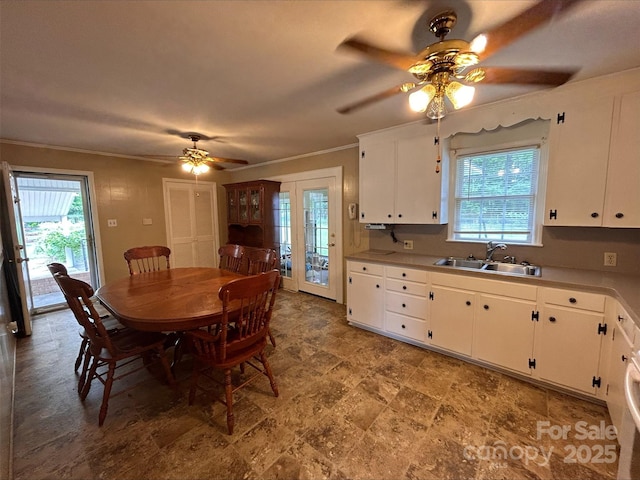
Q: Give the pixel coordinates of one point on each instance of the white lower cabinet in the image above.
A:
(551, 335)
(569, 338)
(451, 322)
(365, 294)
(406, 302)
(621, 347)
(504, 331)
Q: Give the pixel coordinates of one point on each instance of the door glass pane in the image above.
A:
(256, 213)
(316, 235)
(243, 206)
(53, 218)
(285, 234)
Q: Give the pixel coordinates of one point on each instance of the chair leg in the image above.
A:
(166, 367)
(107, 391)
(82, 380)
(89, 378)
(273, 340)
(228, 390)
(83, 351)
(267, 369)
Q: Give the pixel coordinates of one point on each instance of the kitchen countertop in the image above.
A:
(624, 288)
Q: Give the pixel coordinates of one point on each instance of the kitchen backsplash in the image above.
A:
(571, 247)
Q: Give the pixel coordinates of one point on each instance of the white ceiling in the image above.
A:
(261, 79)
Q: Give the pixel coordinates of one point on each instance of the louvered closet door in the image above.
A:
(190, 212)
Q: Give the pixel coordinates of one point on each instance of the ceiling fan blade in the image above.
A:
(226, 160)
(405, 87)
(502, 35)
(401, 60)
(532, 77)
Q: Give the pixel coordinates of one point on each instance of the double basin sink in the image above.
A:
(483, 266)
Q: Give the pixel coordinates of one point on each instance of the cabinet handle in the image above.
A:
(619, 215)
(486, 307)
(595, 215)
(572, 300)
(468, 303)
(404, 274)
(377, 286)
(404, 305)
(404, 287)
(552, 319)
(624, 358)
(620, 318)
(399, 215)
(364, 269)
(403, 326)
(389, 216)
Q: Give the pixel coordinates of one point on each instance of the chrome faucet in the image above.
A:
(492, 248)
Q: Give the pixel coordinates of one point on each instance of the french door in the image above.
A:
(308, 237)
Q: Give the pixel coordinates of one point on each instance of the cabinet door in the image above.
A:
(451, 319)
(620, 351)
(622, 198)
(365, 299)
(256, 204)
(578, 157)
(417, 184)
(503, 332)
(243, 205)
(567, 347)
(232, 205)
(377, 181)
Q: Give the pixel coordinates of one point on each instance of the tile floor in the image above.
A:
(352, 405)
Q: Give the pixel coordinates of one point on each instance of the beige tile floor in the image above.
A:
(352, 405)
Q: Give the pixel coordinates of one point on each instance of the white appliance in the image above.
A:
(629, 437)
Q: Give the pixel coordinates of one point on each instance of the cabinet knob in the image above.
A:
(486, 307)
(404, 287)
(403, 326)
(389, 216)
(404, 305)
(595, 215)
(468, 303)
(399, 215)
(624, 358)
(619, 215)
(404, 274)
(572, 300)
(364, 269)
(377, 286)
(552, 319)
(620, 318)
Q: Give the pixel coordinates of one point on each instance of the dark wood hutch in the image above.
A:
(253, 211)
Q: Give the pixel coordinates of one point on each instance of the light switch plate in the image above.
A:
(147, 221)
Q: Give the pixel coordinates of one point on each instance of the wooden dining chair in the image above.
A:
(231, 257)
(147, 259)
(108, 352)
(262, 260)
(241, 337)
(111, 324)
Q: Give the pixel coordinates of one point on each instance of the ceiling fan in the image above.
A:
(448, 68)
(197, 161)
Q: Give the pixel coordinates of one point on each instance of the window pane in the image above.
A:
(496, 195)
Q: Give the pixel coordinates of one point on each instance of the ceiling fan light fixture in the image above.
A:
(460, 95)
(436, 108)
(478, 44)
(195, 167)
(419, 100)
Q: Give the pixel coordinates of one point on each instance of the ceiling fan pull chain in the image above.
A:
(439, 146)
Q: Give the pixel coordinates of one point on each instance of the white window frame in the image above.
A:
(538, 210)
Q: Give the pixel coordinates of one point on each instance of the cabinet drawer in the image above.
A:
(368, 268)
(625, 322)
(408, 274)
(410, 288)
(406, 326)
(406, 305)
(573, 299)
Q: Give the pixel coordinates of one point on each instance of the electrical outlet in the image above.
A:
(112, 222)
(408, 244)
(610, 259)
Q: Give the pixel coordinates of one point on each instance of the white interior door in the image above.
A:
(16, 254)
(315, 256)
(191, 219)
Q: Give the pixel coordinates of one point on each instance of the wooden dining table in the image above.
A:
(176, 299)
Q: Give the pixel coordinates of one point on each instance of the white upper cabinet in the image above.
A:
(622, 197)
(398, 181)
(594, 164)
(578, 153)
